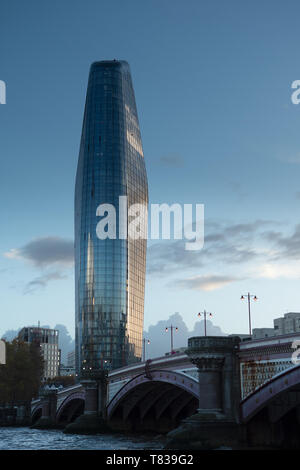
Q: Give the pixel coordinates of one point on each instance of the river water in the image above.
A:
(34, 439)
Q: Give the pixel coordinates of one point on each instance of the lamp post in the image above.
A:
(249, 297)
(144, 347)
(204, 313)
(171, 330)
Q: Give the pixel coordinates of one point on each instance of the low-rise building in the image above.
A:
(259, 333)
(47, 339)
(288, 324)
(66, 370)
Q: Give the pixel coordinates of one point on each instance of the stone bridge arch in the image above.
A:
(36, 413)
(70, 408)
(280, 394)
(157, 401)
(271, 413)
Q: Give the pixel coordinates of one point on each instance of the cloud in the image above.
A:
(165, 256)
(294, 159)
(247, 228)
(238, 251)
(278, 270)
(238, 189)
(174, 161)
(42, 281)
(160, 339)
(285, 246)
(290, 244)
(206, 283)
(225, 243)
(45, 251)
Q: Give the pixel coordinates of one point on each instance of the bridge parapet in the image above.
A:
(178, 362)
(261, 360)
(66, 392)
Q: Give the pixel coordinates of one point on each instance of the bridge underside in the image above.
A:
(153, 406)
(272, 413)
(72, 410)
(37, 413)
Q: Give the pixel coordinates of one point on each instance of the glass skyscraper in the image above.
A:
(109, 273)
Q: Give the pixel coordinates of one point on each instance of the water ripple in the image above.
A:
(34, 439)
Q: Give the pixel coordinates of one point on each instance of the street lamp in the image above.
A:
(171, 330)
(144, 347)
(249, 297)
(205, 313)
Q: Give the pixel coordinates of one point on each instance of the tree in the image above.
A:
(20, 377)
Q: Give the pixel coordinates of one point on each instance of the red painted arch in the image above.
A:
(36, 408)
(177, 379)
(263, 395)
(73, 396)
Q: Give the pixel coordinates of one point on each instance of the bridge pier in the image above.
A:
(209, 373)
(93, 420)
(216, 422)
(48, 418)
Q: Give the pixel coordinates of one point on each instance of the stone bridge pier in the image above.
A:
(93, 419)
(216, 422)
(48, 417)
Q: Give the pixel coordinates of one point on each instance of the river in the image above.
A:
(12, 438)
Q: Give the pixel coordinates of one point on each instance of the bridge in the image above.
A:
(252, 385)
(161, 392)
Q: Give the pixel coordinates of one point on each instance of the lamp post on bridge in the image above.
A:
(144, 347)
(205, 313)
(171, 327)
(249, 297)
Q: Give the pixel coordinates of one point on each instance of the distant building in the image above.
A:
(71, 359)
(290, 323)
(65, 370)
(59, 358)
(47, 339)
(260, 333)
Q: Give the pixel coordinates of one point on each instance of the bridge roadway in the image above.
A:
(166, 390)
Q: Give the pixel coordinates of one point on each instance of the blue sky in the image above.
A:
(213, 89)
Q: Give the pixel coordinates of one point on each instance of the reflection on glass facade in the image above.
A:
(110, 273)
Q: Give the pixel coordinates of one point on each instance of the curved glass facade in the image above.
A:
(110, 273)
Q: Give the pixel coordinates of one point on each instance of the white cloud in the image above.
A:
(45, 251)
(278, 270)
(205, 283)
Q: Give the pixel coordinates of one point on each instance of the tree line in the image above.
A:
(21, 376)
